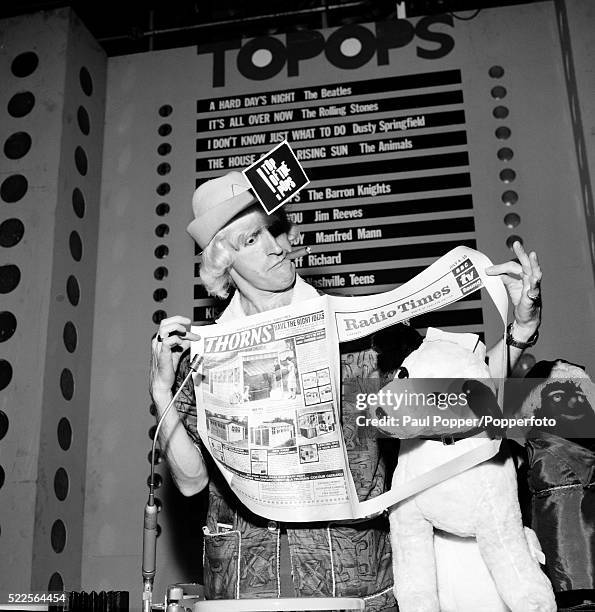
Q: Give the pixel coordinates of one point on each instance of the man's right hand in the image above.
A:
(171, 340)
(185, 460)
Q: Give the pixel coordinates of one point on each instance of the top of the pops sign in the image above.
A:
(348, 47)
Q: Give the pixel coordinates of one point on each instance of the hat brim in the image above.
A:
(204, 228)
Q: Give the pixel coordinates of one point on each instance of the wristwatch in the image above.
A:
(517, 343)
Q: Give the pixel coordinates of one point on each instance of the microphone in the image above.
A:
(149, 551)
(151, 509)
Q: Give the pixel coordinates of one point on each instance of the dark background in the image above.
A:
(129, 27)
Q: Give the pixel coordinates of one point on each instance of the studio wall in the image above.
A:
(52, 103)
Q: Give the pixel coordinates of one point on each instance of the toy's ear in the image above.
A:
(393, 345)
(589, 390)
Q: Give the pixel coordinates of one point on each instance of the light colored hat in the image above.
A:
(216, 202)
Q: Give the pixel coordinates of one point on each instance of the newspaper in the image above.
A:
(268, 393)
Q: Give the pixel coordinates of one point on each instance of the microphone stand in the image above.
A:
(151, 510)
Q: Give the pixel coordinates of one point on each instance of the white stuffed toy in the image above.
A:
(481, 503)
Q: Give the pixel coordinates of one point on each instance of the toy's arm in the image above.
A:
(522, 280)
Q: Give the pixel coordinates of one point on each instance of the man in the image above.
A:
(246, 556)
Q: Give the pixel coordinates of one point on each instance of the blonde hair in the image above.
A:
(217, 257)
(215, 265)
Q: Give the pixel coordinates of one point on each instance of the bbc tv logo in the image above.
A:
(467, 277)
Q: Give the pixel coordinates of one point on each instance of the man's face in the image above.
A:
(260, 252)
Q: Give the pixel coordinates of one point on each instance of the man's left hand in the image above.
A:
(522, 280)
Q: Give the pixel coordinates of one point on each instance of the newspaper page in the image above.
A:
(269, 387)
(269, 412)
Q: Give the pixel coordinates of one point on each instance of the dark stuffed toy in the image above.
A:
(560, 474)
